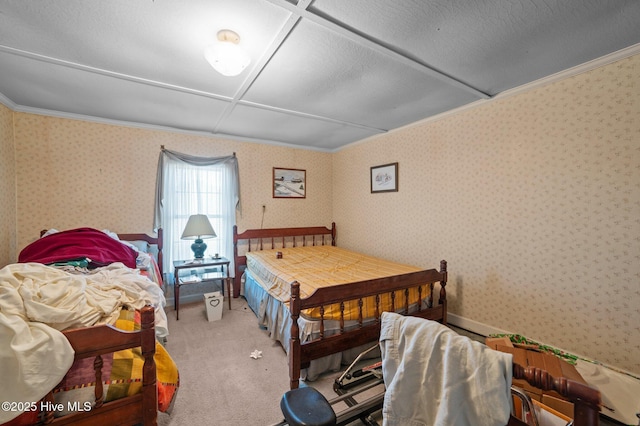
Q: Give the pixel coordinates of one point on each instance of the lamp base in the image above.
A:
(198, 247)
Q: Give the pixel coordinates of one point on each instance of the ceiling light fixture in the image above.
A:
(225, 55)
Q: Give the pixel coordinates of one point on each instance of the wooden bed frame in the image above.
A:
(300, 355)
(95, 341)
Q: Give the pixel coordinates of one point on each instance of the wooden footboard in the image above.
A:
(366, 330)
(95, 341)
(586, 399)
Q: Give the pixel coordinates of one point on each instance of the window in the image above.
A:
(196, 185)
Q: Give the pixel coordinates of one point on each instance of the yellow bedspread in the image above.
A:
(322, 266)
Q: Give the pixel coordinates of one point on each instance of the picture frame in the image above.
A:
(289, 183)
(384, 178)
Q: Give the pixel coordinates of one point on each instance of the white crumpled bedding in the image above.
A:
(36, 301)
(433, 376)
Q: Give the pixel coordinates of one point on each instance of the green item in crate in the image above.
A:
(519, 339)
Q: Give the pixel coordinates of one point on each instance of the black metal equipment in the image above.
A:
(306, 406)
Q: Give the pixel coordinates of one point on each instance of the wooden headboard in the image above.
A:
(157, 241)
(272, 238)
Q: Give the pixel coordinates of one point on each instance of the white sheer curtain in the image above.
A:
(189, 185)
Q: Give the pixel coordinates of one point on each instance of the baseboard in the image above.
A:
(194, 292)
(473, 326)
(187, 298)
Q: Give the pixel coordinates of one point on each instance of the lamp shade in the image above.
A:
(198, 227)
(226, 56)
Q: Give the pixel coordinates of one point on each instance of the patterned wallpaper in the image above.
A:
(7, 188)
(74, 173)
(533, 199)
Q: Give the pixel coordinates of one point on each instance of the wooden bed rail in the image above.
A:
(302, 353)
(272, 238)
(96, 341)
(586, 400)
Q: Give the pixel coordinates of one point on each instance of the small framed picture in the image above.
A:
(289, 183)
(384, 178)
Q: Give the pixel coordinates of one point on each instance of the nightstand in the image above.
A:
(197, 271)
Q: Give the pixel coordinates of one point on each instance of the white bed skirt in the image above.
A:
(274, 316)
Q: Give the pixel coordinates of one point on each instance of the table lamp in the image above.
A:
(198, 227)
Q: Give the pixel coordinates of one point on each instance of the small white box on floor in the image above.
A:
(213, 302)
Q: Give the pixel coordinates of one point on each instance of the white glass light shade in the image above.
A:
(198, 227)
(225, 56)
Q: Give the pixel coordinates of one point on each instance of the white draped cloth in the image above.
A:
(436, 377)
(37, 301)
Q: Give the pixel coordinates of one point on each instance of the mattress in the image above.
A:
(266, 287)
(321, 266)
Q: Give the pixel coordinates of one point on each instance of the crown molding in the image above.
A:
(8, 102)
(562, 75)
(154, 127)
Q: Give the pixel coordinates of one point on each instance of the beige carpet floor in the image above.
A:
(220, 384)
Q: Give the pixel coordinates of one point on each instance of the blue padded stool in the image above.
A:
(307, 407)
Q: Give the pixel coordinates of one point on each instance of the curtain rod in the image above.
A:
(162, 149)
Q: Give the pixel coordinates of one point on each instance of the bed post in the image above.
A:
(333, 233)
(236, 264)
(443, 291)
(586, 399)
(160, 245)
(148, 348)
(294, 339)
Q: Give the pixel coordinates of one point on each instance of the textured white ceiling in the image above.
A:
(324, 73)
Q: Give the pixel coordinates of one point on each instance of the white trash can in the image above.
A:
(213, 302)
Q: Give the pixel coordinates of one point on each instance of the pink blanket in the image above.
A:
(79, 243)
